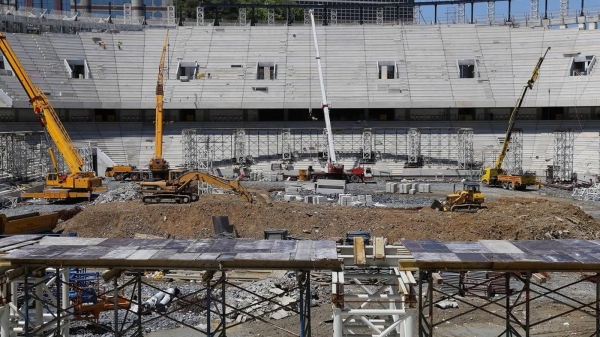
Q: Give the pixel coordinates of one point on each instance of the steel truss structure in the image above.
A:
(510, 307)
(513, 162)
(372, 296)
(24, 155)
(414, 146)
(564, 143)
(48, 301)
(440, 147)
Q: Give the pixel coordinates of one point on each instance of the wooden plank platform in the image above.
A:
(204, 254)
(504, 255)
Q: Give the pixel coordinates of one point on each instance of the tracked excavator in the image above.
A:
(178, 188)
(75, 183)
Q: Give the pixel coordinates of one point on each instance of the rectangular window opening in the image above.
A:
(266, 71)
(187, 70)
(77, 69)
(467, 69)
(387, 70)
(582, 65)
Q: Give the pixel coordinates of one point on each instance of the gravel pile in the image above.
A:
(124, 192)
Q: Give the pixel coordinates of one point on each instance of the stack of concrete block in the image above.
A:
(412, 191)
(331, 186)
(256, 175)
(307, 185)
(289, 197)
(319, 200)
(404, 188)
(368, 200)
(424, 188)
(391, 187)
(309, 199)
(293, 187)
(345, 199)
(415, 186)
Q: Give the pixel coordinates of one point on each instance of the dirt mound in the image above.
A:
(505, 218)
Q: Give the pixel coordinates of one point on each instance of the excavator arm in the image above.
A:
(515, 111)
(184, 181)
(44, 110)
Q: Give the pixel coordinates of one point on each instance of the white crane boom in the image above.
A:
(324, 104)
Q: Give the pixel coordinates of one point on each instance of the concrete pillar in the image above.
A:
(137, 9)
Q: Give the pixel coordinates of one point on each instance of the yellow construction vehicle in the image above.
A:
(158, 167)
(469, 199)
(75, 183)
(178, 187)
(30, 223)
(496, 176)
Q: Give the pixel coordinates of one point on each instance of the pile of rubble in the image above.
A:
(123, 193)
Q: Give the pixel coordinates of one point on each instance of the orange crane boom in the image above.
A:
(76, 183)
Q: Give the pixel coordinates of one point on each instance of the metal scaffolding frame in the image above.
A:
(465, 149)
(368, 152)
(439, 146)
(414, 146)
(24, 155)
(510, 298)
(534, 10)
(49, 299)
(241, 16)
(240, 145)
(372, 296)
(491, 12)
(513, 162)
(87, 154)
(200, 16)
(564, 143)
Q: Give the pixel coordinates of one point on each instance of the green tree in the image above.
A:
(188, 9)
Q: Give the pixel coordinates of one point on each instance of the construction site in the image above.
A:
(299, 178)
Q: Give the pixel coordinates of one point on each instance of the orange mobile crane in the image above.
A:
(75, 183)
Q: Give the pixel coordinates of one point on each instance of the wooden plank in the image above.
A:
(402, 287)
(360, 257)
(437, 278)
(163, 254)
(538, 278)
(411, 278)
(284, 246)
(403, 277)
(379, 250)
(303, 255)
(264, 256)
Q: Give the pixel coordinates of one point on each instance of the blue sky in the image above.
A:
(518, 7)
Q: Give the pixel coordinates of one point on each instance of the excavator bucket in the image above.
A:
(437, 205)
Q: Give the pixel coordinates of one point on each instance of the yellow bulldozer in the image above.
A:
(469, 199)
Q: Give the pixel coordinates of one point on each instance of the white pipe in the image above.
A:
(4, 322)
(325, 105)
(39, 304)
(358, 312)
(382, 297)
(65, 302)
(338, 323)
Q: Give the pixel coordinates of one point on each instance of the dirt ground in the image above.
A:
(530, 216)
(505, 218)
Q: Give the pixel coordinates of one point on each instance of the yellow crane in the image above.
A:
(496, 176)
(158, 165)
(75, 183)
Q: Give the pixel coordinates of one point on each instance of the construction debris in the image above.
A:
(123, 193)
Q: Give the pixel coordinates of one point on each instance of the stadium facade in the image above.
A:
(456, 83)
